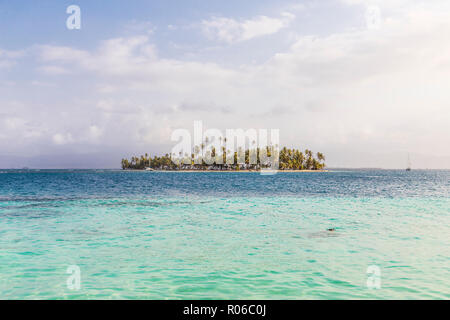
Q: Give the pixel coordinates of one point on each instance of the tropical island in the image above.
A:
(250, 160)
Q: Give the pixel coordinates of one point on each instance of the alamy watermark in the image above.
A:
(73, 22)
(373, 17)
(74, 280)
(244, 149)
(373, 277)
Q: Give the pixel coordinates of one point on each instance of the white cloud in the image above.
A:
(362, 91)
(13, 123)
(11, 54)
(53, 70)
(137, 26)
(61, 54)
(62, 139)
(95, 132)
(42, 84)
(8, 58)
(230, 30)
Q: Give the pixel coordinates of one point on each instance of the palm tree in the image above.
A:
(289, 159)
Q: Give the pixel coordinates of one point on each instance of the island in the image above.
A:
(288, 160)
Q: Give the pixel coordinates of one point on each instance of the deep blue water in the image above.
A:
(110, 183)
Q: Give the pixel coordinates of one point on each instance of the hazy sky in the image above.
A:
(365, 82)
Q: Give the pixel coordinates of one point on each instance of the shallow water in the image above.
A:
(155, 235)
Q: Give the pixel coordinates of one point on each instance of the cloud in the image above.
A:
(20, 127)
(95, 133)
(230, 30)
(203, 107)
(42, 84)
(358, 91)
(61, 139)
(136, 26)
(53, 70)
(8, 58)
(62, 54)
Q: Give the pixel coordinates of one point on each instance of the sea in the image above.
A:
(111, 234)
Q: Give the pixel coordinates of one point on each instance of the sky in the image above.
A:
(364, 82)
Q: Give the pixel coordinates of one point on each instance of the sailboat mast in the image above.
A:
(408, 168)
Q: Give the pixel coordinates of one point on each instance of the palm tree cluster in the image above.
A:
(293, 159)
(145, 161)
(289, 159)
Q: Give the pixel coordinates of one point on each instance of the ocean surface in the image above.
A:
(174, 235)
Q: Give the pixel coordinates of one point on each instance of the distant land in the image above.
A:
(288, 159)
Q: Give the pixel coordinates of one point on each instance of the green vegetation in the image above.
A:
(293, 159)
(289, 159)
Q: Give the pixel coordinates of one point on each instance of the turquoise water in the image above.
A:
(150, 235)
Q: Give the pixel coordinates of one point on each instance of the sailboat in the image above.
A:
(408, 168)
